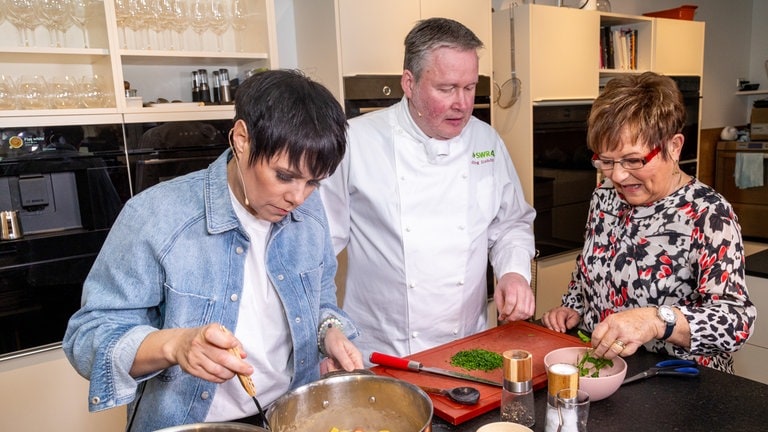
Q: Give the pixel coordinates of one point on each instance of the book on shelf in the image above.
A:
(618, 48)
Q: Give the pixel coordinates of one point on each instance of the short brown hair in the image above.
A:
(649, 106)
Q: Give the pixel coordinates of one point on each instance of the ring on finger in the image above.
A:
(619, 344)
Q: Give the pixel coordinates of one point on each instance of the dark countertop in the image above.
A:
(714, 401)
(757, 264)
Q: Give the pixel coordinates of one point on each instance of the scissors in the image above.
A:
(682, 368)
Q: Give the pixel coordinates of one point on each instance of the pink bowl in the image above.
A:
(599, 388)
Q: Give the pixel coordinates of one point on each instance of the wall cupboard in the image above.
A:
(144, 57)
(342, 38)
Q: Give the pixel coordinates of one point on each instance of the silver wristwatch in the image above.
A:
(667, 314)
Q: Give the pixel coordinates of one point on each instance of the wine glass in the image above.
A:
(82, 11)
(55, 14)
(63, 92)
(164, 14)
(91, 91)
(242, 16)
(23, 15)
(122, 16)
(198, 19)
(137, 21)
(219, 21)
(32, 92)
(7, 92)
(180, 21)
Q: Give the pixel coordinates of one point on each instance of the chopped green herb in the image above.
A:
(589, 366)
(477, 359)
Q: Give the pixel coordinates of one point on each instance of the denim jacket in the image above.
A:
(174, 258)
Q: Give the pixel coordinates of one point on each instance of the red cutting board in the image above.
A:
(533, 338)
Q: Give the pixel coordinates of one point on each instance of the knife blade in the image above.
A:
(415, 366)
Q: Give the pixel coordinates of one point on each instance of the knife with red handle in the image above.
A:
(415, 366)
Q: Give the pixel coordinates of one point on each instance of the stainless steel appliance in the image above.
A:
(67, 184)
(750, 204)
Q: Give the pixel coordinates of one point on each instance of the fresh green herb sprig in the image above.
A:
(477, 359)
(589, 365)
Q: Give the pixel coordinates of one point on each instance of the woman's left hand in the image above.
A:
(622, 333)
(342, 353)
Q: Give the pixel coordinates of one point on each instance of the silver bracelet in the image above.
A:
(325, 325)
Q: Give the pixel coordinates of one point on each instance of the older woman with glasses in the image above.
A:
(663, 261)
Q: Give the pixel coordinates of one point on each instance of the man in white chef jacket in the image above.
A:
(424, 195)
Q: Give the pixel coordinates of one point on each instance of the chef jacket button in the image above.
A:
(239, 250)
(280, 277)
(461, 227)
(297, 319)
(464, 175)
(412, 285)
(233, 297)
(95, 400)
(402, 178)
(415, 334)
(205, 395)
(407, 229)
(455, 331)
(460, 283)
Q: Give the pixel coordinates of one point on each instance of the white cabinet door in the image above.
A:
(678, 47)
(564, 52)
(477, 18)
(372, 33)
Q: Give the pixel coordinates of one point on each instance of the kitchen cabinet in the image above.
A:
(678, 47)
(357, 37)
(116, 54)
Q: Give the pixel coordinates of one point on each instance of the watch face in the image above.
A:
(667, 314)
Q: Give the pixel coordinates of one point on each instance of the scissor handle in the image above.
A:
(683, 371)
(674, 363)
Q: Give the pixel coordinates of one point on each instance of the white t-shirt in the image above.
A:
(262, 328)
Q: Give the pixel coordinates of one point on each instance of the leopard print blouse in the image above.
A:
(683, 250)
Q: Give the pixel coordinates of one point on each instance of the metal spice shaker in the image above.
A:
(224, 86)
(205, 91)
(216, 99)
(517, 391)
(195, 86)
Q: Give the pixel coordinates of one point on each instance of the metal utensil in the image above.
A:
(682, 368)
(463, 395)
(413, 365)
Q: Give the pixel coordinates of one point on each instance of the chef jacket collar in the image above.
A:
(434, 148)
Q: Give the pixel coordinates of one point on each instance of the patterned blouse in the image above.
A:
(683, 250)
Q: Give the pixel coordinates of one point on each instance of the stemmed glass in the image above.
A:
(7, 93)
(91, 92)
(198, 16)
(122, 16)
(55, 14)
(81, 11)
(32, 92)
(180, 20)
(164, 14)
(138, 21)
(63, 92)
(23, 15)
(242, 15)
(219, 21)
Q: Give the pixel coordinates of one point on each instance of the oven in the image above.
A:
(563, 175)
(749, 203)
(67, 185)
